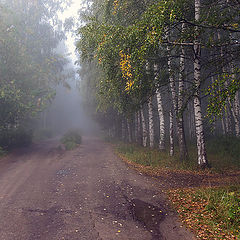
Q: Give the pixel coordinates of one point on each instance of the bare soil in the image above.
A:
(47, 193)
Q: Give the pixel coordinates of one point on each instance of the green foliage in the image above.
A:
(224, 205)
(30, 66)
(2, 152)
(71, 139)
(140, 30)
(220, 93)
(13, 138)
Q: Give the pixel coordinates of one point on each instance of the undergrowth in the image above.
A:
(71, 139)
(42, 134)
(212, 213)
(223, 154)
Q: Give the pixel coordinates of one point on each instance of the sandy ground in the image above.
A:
(85, 194)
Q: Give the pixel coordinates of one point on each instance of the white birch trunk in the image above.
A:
(139, 127)
(129, 131)
(144, 129)
(171, 136)
(151, 124)
(180, 122)
(123, 131)
(162, 146)
(136, 127)
(223, 126)
(201, 147)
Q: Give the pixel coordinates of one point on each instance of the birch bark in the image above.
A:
(151, 123)
(144, 128)
(162, 146)
(177, 101)
(201, 147)
(129, 131)
(171, 137)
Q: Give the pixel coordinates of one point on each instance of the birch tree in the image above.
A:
(201, 146)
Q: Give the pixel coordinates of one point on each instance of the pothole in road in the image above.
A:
(149, 215)
(64, 172)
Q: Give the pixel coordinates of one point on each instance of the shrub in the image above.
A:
(71, 139)
(2, 152)
(13, 138)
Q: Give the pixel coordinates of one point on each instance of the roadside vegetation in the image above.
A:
(212, 213)
(166, 72)
(223, 154)
(208, 201)
(72, 139)
(31, 66)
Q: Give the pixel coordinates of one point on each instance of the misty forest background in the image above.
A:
(161, 74)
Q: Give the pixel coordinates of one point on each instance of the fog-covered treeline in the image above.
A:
(30, 66)
(160, 70)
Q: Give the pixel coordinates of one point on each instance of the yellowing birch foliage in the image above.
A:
(126, 69)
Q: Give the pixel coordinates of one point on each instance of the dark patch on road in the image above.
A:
(149, 215)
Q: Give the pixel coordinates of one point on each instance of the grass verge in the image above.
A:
(212, 213)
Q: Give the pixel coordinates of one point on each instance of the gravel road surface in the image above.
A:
(47, 193)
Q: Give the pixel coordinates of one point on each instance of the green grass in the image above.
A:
(153, 157)
(224, 203)
(2, 152)
(71, 139)
(213, 213)
(223, 154)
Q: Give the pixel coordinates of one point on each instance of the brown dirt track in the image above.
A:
(88, 193)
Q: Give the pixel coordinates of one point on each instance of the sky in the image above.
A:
(71, 11)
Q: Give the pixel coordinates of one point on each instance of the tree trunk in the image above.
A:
(151, 124)
(201, 147)
(139, 137)
(180, 124)
(176, 106)
(162, 146)
(136, 127)
(171, 136)
(144, 129)
(129, 131)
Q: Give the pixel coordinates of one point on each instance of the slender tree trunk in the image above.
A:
(162, 146)
(180, 122)
(139, 137)
(223, 126)
(175, 100)
(136, 127)
(144, 128)
(201, 147)
(123, 131)
(171, 136)
(129, 131)
(151, 123)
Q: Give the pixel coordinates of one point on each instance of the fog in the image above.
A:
(67, 112)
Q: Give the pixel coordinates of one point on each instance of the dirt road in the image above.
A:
(85, 194)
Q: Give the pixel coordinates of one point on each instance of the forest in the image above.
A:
(32, 64)
(163, 73)
(134, 134)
